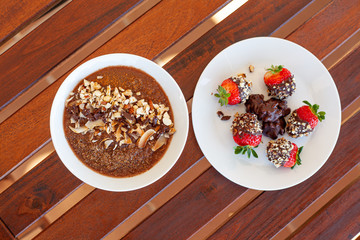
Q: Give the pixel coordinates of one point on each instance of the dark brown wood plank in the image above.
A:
(5, 234)
(271, 211)
(35, 193)
(185, 224)
(152, 41)
(238, 26)
(15, 15)
(330, 27)
(111, 208)
(108, 200)
(201, 200)
(54, 40)
(349, 84)
(152, 21)
(119, 43)
(340, 220)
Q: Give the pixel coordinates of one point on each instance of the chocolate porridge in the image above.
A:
(118, 121)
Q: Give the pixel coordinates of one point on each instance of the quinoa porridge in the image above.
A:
(118, 121)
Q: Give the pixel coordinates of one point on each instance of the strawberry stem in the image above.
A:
(275, 69)
(245, 149)
(223, 96)
(298, 159)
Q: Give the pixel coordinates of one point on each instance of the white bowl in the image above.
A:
(91, 177)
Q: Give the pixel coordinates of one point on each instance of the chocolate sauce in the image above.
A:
(271, 112)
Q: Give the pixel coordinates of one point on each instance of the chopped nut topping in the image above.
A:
(278, 151)
(244, 86)
(296, 127)
(246, 123)
(251, 68)
(284, 89)
(225, 118)
(95, 109)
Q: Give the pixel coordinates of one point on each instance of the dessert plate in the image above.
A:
(314, 83)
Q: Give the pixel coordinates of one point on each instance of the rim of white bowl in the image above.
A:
(177, 144)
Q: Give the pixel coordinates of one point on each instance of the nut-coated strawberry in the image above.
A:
(282, 152)
(234, 90)
(279, 81)
(303, 120)
(247, 133)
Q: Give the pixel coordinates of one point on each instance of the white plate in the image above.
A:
(178, 104)
(314, 84)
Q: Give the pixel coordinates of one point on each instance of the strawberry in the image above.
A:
(247, 139)
(234, 90)
(247, 133)
(228, 93)
(282, 152)
(276, 75)
(309, 114)
(304, 119)
(294, 157)
(279, 81)
(246, 144)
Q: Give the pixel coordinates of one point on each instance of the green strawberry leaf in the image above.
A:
(315, 107)
(245, 150)
(300, 149)
(307, 103)
(321, 116)
(298, 159)
(223, 96)
(275, 69)
(254, 153)
(237, 150)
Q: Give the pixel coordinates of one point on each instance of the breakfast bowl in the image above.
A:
(115, 183)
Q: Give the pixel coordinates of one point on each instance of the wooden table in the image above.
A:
(42, 41)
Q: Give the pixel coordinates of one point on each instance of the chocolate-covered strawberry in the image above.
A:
(234, 90)
(303, 120)
(280, 82)
(247, 133)
(283, 153)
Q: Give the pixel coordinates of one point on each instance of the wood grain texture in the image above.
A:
(108, 209)
(181, 227)
(340, 220)
(35, 193)
(53, 41)
(349, 84)
(15, 15)
(272, 210)
(146, 41)
(243, 23)
(70, 219)
(201, 200)
(5, 234)
(330, 27)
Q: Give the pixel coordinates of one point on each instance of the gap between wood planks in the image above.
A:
(29, 28)
(243, 200)
(202, 165)
(75, 58)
